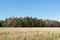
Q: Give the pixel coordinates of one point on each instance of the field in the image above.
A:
(29, 33)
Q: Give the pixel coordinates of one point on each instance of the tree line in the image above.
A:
(28, 22)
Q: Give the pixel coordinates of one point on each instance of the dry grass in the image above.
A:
(29, 33)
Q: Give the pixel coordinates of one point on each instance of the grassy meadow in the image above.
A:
(29, 33)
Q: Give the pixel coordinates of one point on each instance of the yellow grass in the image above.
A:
(21, 33)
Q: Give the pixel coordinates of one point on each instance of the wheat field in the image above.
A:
(29, 33)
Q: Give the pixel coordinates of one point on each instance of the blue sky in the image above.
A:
(45, 9)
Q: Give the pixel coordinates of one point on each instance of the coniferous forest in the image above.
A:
(28, 22)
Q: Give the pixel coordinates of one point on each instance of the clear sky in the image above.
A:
(45, 9)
